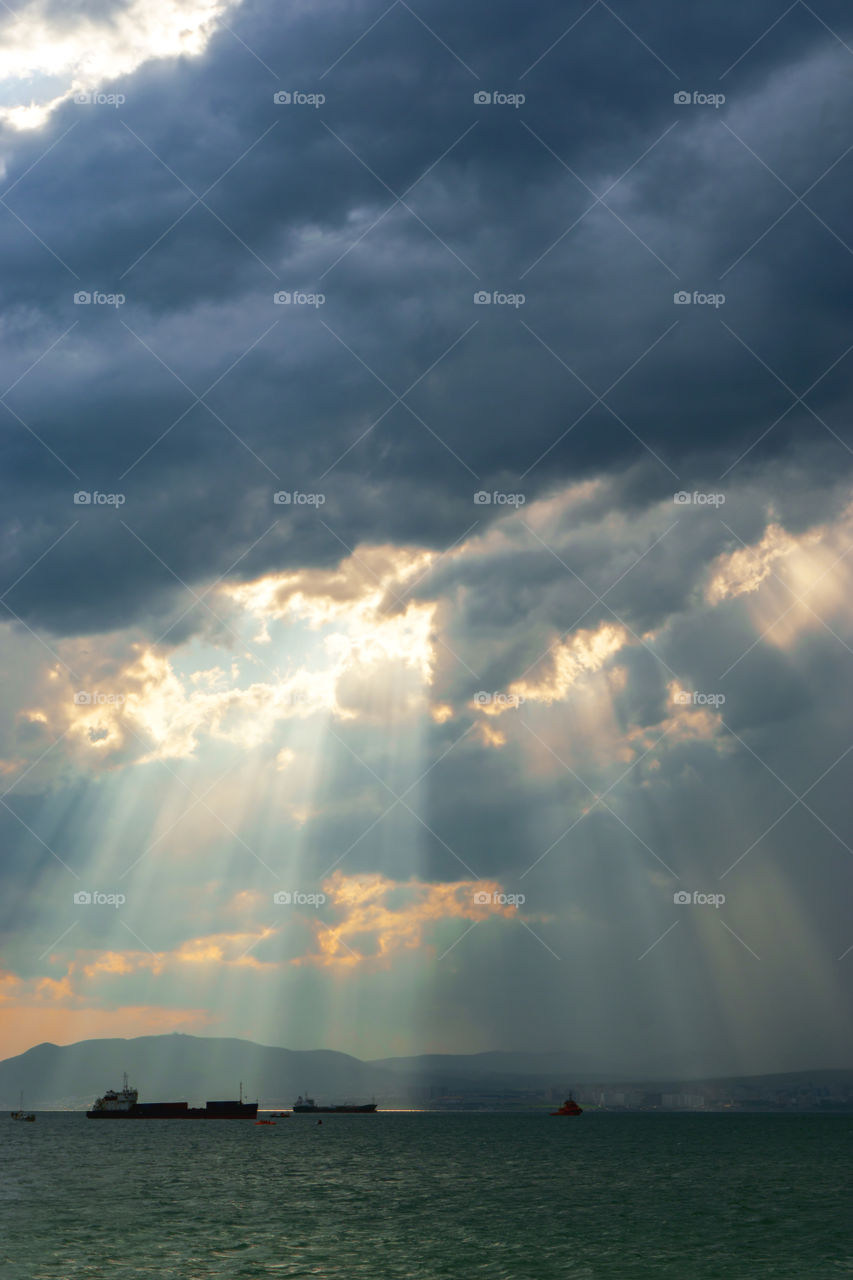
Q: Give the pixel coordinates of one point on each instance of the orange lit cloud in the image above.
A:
(372, 581)
(579, 655)
(231, 949)
(371, 929)
(793, 583)
(744, 570)
(134, 703)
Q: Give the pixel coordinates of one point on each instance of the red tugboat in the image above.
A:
(569, 1108)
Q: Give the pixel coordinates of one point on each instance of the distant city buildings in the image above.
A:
(711, 1095)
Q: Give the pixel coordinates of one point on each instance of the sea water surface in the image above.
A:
(423, 1196)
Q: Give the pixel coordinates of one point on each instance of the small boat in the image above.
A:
(569, 1108)
(265, 1122)
(21, 1114)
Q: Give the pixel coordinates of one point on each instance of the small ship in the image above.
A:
(21, 1114)
(125, 1105)
(308, 1104)
(569, 1108)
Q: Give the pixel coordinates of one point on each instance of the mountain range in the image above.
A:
(177, 1067)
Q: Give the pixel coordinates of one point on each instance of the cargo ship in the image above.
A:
(125, 1105)
(306, 1104)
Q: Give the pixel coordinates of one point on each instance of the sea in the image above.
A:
(423, 1196)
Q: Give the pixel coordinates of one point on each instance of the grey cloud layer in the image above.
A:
(490, 412)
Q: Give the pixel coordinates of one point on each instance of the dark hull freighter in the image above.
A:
(124, 1106)
(303, 1105)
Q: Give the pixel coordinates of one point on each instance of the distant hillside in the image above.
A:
(195, 1068)
(177, 1067)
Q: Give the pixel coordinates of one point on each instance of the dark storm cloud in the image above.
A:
(290, 403)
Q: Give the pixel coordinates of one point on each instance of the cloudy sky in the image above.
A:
(426, 527)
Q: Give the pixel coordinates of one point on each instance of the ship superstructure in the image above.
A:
(117, 1103)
